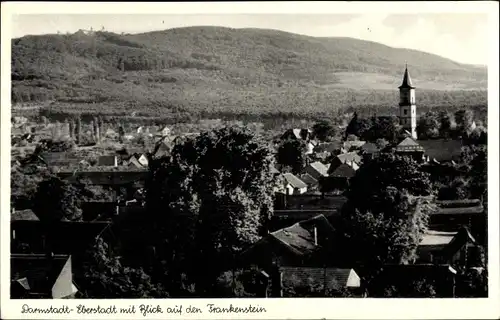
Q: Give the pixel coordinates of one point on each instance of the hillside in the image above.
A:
(213, 70)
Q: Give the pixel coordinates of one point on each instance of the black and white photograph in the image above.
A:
(249, 155)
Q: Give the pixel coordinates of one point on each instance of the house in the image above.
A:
(400, 280)
(316, 170)
(442, 150)
(285, 218)
(108, 161)
(303, 281)
(142, 159)
(296, 133)
(447, 247)
(165, 131)
(353, 159)
(133, 161)
(25, 234)
(338, 178)
(293, 185)
(162, 148)
(369, 150)
(306, 243)
(410, 147)
(349, 146)
(309, 181)
(42, 276)
(328, 147)
(452, 215)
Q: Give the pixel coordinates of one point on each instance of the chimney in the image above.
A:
(315, 231)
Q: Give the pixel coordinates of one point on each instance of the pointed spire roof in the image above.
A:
(406, 80)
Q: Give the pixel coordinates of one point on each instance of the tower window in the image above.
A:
(405, 112)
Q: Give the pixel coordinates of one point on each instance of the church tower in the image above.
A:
(407, 107)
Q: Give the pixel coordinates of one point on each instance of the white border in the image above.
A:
(276, 308)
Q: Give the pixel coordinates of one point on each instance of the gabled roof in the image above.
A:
(332, 278)
(317, 169)
(462, 237)
(407, 80)
(42, 273)
(409, 145)
(442, 149)
(23, 215)
(437, 238)
(294, 181)
(343, 171)
(308, 179)
(349, 157)
(353, 144)
(369, 148)
(328, 147)
(299, 238)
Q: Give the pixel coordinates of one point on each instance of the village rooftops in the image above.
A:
(317, 170)
(294, 181)
(324, 278)
(409, 145)
(437, 238)
(343, 171)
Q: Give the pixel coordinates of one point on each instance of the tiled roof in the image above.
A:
(40, 271)
(436, 238)
(349, 157)
(308, 179)
(294, 181)
(327, 147)
(317, 169)
(442, 150)
(332, 278)
(369, 147)
(344, 171)
(409, 145)
(23, 215)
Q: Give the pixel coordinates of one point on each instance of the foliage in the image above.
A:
(57, 200)
(386, 214)
(192, 72)
(291, 153)
(429, 126)
(323, 130)
(241, 283)
(106, 277)
(386, 128)
(418, 288)
(215, 195)
(24, 183)
(464, 119)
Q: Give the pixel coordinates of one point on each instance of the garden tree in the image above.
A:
(446, 124)
(358, 126)
(381, 143)
(105, 277)
(241, 283)
(323, 129)
(458, 189)
(428, 125)
(57, 200)
(24, 183)
(208, 202)
(417, 288)
(478, 136)
(291, 153)
(389, 201)
(382, 127)
(464, 119)
(478, 171)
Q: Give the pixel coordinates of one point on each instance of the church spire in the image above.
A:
(406, 79)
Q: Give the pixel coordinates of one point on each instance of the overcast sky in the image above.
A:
(462, 37)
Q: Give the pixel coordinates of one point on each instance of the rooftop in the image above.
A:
(294, 181)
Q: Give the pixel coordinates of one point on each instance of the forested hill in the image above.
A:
(213, 69)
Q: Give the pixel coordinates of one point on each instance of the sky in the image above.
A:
(462, 37)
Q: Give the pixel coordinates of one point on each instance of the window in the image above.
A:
(405, 112)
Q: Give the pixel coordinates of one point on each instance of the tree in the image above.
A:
(382, 128)
(56, 200)
(291, 153)
(107, 277)
(428, 125)
(24, 183)
(446, 124)
(323, 129)
(386, 214)
(464, 119)
(210, 200)
(457, 190)
(357, 126)
(121, 133)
